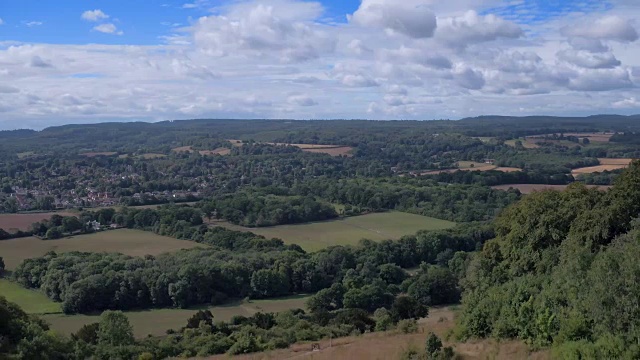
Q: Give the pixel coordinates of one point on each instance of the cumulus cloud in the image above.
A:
(627, 103)
(409, 17)
(472, 28)
(469, 78)
(108, 29)
(587, 59)
(1, 21)
(602, 80)
(352, 80)
(6, 89)
(94, 15)
(606, 28)
(265, 29)
(33, 23)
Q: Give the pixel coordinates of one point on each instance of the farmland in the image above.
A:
(96, 154)
(189, 149)
(472, 166)
(529, 188)
(156, 322)
(11, 222)
(31, 301)
(333, 150)
(129, 242)
(349, 231)
(606, 164)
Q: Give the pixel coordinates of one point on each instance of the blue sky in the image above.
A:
(65, 61)
(142, 22)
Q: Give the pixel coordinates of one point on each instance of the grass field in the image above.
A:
(126, 241)
(31, 301)
(606, 164)
(472, 166)
(156, 322)
(349, 231)
(392, 344)
(12, 222)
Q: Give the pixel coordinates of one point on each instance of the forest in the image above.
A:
(553, 269)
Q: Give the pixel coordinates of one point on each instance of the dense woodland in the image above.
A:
(554, 269)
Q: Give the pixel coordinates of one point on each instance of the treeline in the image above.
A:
(493, 178)
(454, 202)
(238, 265)
(562, 270)
(256, 210)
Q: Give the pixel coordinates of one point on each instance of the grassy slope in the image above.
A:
(156, 322)
(379, 226)
(31, 301)
(126, 241)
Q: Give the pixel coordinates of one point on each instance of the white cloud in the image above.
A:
(409, 17)
(33, 23)
(1, 21)
(472, 28)
(606, 28)
(280, 59)
(94, 15)
(107, 29)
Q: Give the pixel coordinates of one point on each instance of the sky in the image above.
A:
(86, 61)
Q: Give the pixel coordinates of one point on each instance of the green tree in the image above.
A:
(114, 329)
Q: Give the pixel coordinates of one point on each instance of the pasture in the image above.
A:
(125, 241)
(606, 164)
(157, 322)
(529, 188)
(472, 166)
(31, 301)
(13, 222)
(349, 231)
(332, 150)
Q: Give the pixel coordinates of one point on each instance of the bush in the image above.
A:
(408, 326)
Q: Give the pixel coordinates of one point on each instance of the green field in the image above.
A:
(31, 301)
(349, 231)
(156, 322)
(126, 241)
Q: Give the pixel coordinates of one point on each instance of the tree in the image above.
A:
(54, 233)
(114, 329)
(88, 333)
(269, 283)
(1, 265)
(433, 346)
(71, 224)
(406, 307)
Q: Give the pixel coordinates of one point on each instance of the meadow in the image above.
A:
(157, 322)
(12, 222)
(125, 241)
(31, 301)
(349, 231)
(606, 164)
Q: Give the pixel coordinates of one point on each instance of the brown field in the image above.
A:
(607, 161)
(125, 241)
(218, 151)
(94, 154)
(183, 149)
(236, 143)
(529, 188)
(472, 166)
(391, 344)
(13, 222)
(152, 156)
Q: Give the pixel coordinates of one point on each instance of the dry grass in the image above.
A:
(94, 154)
(472, 166)
(529, 188)
(13, 222)
(157, 322)
(125, 241)
(236, 143)
(608, 161)
(218, 151)
(391, 345)
(183, 149)
(151, 156)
